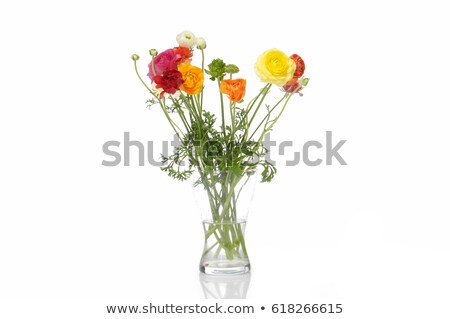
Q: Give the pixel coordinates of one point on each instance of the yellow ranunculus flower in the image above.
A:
(273, 66)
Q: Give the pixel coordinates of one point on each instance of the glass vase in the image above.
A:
(224, 199)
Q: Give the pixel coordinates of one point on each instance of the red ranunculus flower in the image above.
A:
(183, 54)
(299, 65)
(294, 85)
(170, 81)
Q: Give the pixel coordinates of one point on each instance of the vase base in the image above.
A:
(223, 269)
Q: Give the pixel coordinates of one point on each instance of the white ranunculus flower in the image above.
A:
(201, 43)
(186, 39)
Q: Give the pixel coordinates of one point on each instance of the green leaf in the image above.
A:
(268, 172)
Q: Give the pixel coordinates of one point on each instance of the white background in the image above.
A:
(373, 235)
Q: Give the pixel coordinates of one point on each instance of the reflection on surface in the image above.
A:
(225, 287)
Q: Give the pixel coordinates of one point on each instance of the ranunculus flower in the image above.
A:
(235, 89)
(292, 86)
(170, 81)
(273, 66)
(166, 60)
(296, 85)
(299, 65)
(193, 78)
(216, 69)
(201, 43)
(186, 39)
(183, 54)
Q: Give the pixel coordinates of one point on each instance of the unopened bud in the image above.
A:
(135, 57)
(231, 68)
(153, 52)
(201, 43)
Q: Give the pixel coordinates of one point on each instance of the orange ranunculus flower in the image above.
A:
(235, 89)
(193, 78)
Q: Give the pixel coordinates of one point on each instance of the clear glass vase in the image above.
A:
(224, 199)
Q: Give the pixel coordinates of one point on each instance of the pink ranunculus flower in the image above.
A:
(166, 60)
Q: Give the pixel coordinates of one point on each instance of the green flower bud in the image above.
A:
(304, 81)
(201, 43)
(153, 52)
(231, 68)
(217, 68)
(135, 57)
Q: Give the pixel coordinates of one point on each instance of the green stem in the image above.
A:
(203, 60)
(241, 239)
(153, 66)
(267, 129)
(253, 101)
(163, 106)
(142, 81)
(189, 106)
(267, 115)
(210, 248)
(172, 123)
(226, 228)
(266, 91)
(181, 114)
(232, 107)
(199, 100)
(257, 108)
(201, 93)
(192, 111)
(222, 108)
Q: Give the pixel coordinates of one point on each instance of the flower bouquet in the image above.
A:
(223, 152)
